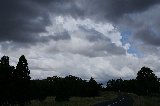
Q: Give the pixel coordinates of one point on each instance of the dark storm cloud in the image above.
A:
(21, 20)
(43, 39)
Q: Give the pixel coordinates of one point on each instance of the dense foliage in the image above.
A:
(64, 88)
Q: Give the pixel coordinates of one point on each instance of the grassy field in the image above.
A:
(76, 101)
(146, 100)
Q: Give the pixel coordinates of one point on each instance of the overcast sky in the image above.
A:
(103, 39)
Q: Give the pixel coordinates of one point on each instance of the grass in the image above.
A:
(76, 101)
(104, 96)
(146, 100)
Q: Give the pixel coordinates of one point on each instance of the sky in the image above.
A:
(103, 39)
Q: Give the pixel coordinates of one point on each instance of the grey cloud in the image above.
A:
(61, 36)
(118, 8)
(145, 30)
(147, 41)
(93, 35)
(102, 43)
(148, 36)
(113, 10)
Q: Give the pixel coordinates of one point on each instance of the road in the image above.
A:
(123, 100)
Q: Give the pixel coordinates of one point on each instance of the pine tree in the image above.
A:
(21, 89)
(22, 71)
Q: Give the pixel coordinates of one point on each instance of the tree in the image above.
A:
(147, 82)
(22, 71)
(21, 81)
(5, 81)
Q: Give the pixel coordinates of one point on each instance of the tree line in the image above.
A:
(146, 83)
(16, 86)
